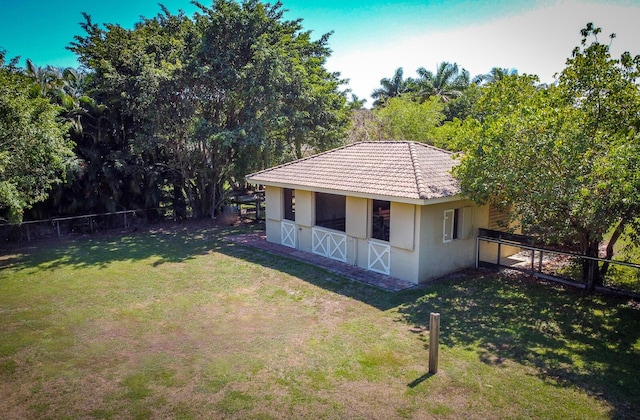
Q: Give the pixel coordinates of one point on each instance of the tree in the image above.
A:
(447, 83)
(390, 88)
(193, 104)
(404, 119)
(34, 150)
(563, 159)
(496, 73)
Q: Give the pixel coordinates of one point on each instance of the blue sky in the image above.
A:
(371, 38)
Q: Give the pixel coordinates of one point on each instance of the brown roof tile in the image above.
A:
(400, 169)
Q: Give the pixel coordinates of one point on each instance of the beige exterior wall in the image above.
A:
(273, 208)
(357, 220)
(438, 258)
(304, 208)
(402, 228)
(417, 250)
(305, 219)
(273, 203)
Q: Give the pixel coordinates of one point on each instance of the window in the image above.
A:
(289, 204)
(381, 211)
(451, 225)
(331, 211)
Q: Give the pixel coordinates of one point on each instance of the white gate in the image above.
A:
(329, 243)
(288, 233)
(379, 257)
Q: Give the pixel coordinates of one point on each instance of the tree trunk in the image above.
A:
(614, 238)
(590, 272)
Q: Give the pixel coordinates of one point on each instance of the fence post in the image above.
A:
(434, 339)
(58, 223)
(540, 262)
(499, 252)
(533, 260)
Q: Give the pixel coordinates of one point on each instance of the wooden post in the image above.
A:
(533, 260)
(58, 223)
(499, 252)
(540, 262)
(434, 339)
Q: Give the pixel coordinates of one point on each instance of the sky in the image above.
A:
(370, 39)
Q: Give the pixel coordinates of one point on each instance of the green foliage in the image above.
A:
(447, 83)
(404, 119)
(183, 107)
(390, 88)
(564, 159)
(34, 150)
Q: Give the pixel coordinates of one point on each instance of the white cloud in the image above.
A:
(536, 42)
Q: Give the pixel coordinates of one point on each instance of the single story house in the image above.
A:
(391, 207)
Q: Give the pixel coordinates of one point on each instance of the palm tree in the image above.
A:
(391, 88)
(496, 73)
(47, 80)
(447, 83)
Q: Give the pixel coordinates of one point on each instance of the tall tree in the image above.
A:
(193, 104)
(494, 75)
(34, 150)
(404, 119)
(390, 88)
(564, 159)
(446, 83)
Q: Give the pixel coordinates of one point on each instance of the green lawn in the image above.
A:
(178, 323)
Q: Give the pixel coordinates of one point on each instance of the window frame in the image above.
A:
(451, 225)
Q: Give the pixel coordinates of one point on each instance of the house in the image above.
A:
(391, 207)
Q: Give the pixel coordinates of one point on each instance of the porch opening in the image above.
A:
(289, 196)
(380, 220)
(331, 211)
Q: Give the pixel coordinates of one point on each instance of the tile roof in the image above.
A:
(400, 169)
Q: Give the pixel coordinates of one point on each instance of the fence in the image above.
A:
(249, 205)
(496, 249)
(64, 226)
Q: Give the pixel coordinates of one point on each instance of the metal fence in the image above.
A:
(563, 267)
(65, 226)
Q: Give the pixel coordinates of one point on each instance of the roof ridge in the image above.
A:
(420, 183)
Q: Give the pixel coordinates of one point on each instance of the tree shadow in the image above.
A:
(321, 277)
(162, 243)
(573, 339)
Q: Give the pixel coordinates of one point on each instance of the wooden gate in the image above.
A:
(329, 243)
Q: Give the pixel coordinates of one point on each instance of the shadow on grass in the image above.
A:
(574, 339)
(165, 243)
(586, 341)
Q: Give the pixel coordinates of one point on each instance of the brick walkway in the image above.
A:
(258, 240)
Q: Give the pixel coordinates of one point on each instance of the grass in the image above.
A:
(178, 323)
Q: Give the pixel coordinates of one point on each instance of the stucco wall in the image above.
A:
(438, 258)
(273, 208)
(273, 203)
(417, 250)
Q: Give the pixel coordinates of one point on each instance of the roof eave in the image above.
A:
(406, 200)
